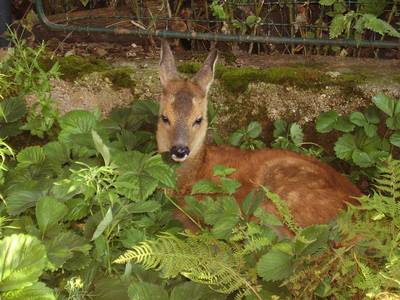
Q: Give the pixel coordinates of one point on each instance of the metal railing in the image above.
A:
(246, 38)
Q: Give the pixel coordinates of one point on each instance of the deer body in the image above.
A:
(314, 191)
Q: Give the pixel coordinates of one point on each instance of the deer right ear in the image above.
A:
(168, 70)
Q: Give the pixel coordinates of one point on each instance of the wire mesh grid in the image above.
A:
(280, 18)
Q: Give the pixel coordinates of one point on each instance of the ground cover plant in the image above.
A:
(87, 212)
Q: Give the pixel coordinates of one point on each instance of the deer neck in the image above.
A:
(188, 170)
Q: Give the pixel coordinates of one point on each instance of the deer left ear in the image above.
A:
(168, 70)
(205, 75)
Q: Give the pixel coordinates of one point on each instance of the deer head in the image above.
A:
(182, 124)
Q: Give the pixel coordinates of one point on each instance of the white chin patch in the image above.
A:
(181, 159)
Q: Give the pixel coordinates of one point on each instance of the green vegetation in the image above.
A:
(87, 213)
(73, 67)
(237, 79)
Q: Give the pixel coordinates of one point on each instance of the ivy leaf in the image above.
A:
(36, 291)
(49, 211)
(147, 291)
(345, 146)
(275, 265)
(103, 224)
(22, 260)
(326, 121)
(254, 129)
(296, 134)
(101, 147)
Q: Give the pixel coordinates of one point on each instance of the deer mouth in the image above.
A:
(179, 159)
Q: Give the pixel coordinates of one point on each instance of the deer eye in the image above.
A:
(198, 121)
(164, 119)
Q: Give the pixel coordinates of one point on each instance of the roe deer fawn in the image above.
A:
(314, 191)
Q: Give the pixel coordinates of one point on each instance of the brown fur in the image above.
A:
(314, 191)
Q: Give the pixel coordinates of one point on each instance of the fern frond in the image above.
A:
(283, 210)
(388, 180)
(199, 258)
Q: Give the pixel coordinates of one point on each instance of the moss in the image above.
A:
(120, 77)
(73, 66)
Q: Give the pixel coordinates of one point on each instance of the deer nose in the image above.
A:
(179, 153)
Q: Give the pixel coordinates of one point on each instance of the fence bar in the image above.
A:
(211, 36)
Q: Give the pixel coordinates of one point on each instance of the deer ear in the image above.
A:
(205, 75)
(167, 64)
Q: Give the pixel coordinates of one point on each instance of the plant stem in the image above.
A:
(183, 211)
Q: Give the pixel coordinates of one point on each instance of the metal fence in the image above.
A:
(288, 22)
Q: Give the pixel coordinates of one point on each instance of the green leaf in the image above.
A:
(296, 134)
(103, 224)
(267, 219)
(235, 138)
(345, 146)
(343, 124)
(76, 123)
(312, 240)
(144, 207)
(141, 174)
(371, 114)
(393, 122)
(101, 147)
(275, 265)
(362, 159)
(385, 104)
(229, 185)
(223, 214)
(12, 109)
(30, 156)
(327, 2)
(222, 171)
(358, 118)
(36, 291)
(23, 196)
(61, 248)
(147, 291)
(337, 26)
(370, 130)
(395, 139)
(49, 211)
(252, 202)
(205, 186)
(326, 121)
(194, 291)
(22, 260)
(279, 128)
(254, 129)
